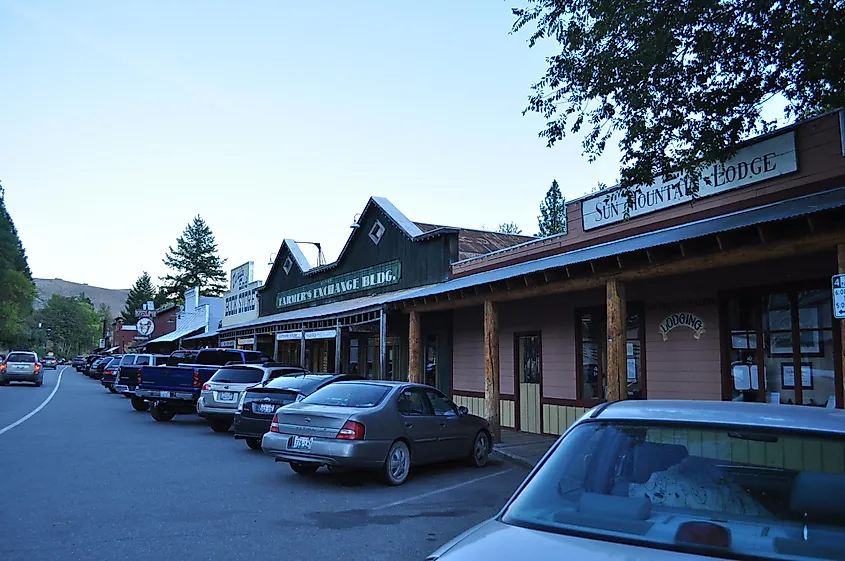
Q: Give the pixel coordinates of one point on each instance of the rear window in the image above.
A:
(717, 491)
(218, 358)
(238, 375)
(348, 395)
(127, 360)
(304, 383)
(20, 357)
(142, 359)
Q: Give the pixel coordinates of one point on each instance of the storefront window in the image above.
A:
(431, 360)
(353, 356)
(592, 359)
(796, 329)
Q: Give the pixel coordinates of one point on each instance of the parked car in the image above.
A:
(259, 403)
(110, 368)
(175, 390)
(78, 362)
(220, 396)
(387, 426)
(50, 362)
(89, 362)
(21, 366)
(129, 374)
(98, 371)
(660, 480)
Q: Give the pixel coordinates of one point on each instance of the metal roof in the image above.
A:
(297, 254)
(757, 415)
(766, 213)
(344, 307)
(194, 322)
(205, 335)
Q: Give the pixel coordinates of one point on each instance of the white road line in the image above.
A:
(40, 407)
(442, 490)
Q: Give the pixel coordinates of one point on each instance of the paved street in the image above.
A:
(87, 477)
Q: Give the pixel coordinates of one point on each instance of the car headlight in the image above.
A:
(241, 402)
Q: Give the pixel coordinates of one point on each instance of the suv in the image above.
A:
(21, 366)
(220, 395)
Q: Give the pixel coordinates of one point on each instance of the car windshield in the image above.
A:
(348, 395)
(713, 490)
(238, 375)
(20, 357)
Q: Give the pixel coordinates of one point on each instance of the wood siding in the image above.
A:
(423, 262)
(475, 405)
(820, 167)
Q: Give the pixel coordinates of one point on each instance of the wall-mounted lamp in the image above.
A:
(272, 259)
(355, 225)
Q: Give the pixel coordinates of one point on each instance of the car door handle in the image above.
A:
(409, 425)
(443, 424)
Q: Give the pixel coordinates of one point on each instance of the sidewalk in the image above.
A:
(522, 447)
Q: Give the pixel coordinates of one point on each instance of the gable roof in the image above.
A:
(472, 243)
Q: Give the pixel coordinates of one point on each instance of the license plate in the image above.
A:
(226, 396)
(266, 408)
(20, 366)
(164, 393)
(300, 442)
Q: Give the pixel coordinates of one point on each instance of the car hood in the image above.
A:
(496, 541)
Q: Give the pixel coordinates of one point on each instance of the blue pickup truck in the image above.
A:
(174, 389)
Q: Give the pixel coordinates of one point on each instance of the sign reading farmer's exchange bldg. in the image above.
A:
(754, 163)
(356, 281)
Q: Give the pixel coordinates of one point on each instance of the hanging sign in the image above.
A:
(321, 334)
(228, 344)
(145, 327)
(246, 341)
(683, 319)
(839, 296)
(289, 336)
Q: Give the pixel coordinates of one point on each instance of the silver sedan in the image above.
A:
(385, 426)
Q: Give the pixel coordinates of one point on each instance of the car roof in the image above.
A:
(758, 415)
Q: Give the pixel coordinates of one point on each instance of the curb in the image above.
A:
(514, 458)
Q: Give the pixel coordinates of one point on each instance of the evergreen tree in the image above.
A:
(141, 292)
(509, 228)
(552, 219)
(17, 290)
(194, 262)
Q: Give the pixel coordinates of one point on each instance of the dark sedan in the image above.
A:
(387, 426)
(50, 362)
(259, 403)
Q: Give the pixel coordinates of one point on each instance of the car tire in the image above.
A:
(38, 384)
(397, 465)
(139, 404)
(480, 452)
(161, 414)
(304, 469)
(111, 389)
(254, 443)
(220, 426)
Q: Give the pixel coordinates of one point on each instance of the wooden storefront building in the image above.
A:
(334, 317)
(723, 296)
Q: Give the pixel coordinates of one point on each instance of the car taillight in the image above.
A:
(274, 424)
(3, 367)
(196, 378)
(351, 431)
(206, 386)
(37, 367)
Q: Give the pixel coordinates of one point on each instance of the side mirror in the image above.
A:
(463, 410)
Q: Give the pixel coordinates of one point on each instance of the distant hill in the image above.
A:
(114, 299)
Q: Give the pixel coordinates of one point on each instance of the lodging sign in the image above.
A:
(370, 278)
(752, 164)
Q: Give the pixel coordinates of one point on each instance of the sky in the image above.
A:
(122, 121)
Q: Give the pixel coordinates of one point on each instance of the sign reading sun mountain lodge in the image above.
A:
(754, 163)
(683, 319)
(370, 278)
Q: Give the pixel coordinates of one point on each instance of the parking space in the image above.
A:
(101, 481)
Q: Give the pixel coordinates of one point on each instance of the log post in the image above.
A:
(414, 349)
(337, 347)
(840, 258)
(617, 371)
(275, 348)
(302, 350)
(491, 369)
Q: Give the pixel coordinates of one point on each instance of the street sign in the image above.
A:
(839, 296)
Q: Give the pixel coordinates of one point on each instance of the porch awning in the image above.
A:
(205, 335)
(772, 212)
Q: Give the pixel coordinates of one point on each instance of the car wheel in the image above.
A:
(161, 414)
(254, 443)
(220, 426)
(38, 384)
(111, 389)
(480, 449)
(139, 404)
(397, 465)
(304, 469)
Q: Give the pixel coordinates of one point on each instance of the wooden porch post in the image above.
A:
(302, 349)
(382, 346)
(617, 316)
(275, 348)
(840, 258)
(414, 348)
(337, 348)
(491, 369)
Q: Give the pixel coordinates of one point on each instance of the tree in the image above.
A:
(683, 83)
(194, 262)
(141, 292)
(552, 219)
(509, 228)
(17, 290)
(73, 324)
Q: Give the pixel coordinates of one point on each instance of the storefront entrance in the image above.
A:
(528, 365)
(780, 346)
